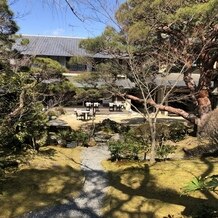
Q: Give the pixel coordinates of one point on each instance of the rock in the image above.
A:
(53, 117)
(116, 137)
(62, 142)
(91, 142)
(72, 144)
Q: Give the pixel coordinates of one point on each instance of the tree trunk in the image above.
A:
(204, 103)
(190, 117)
(152, 125)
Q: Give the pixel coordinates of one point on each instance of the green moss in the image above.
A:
(50, 177)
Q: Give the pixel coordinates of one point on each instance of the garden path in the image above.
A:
(88, 204)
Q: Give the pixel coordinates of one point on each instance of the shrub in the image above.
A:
(111, 126)
(174, 131)
(136, 142)
(130, 147)
(116, 148)
(164, 150)
(80, 137)
(178, 131)
(66, 134)
(199, 183)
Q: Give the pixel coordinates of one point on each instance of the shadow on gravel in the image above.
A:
(85, 205)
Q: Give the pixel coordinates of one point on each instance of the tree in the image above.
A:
(7, 28)
(25, 84)
(53, 88)
(186, 30)
(161, 37)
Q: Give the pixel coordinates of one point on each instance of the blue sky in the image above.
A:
(44, 17)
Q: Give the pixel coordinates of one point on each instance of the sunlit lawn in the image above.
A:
(139, 190)
(51, 177)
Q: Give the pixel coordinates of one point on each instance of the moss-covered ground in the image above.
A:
(50, 177)
(143, 191)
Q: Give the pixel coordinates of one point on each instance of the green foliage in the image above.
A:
(25, 41)
(124, 150)
(174, 131)
(109, 70)
(129, 147)
(8, 28)
(64, 136)
(23, 119)
(53, 113)
(53, 86)
(116, 149)
(92, 45)
(163, 150)
(88, 79)
(8, 25)
(80, 137)
(89, 94)
(48, 68)
(110, 42)
(29, 131)
(167, 131)
(197, 12)
(138, 31)
(135, 142)
(80, 60)
(199, 183)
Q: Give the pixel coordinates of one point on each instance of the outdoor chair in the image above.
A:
(91, 115)
(88, 105)
(119, 107)
(79, 115)
(96, 105)
(111, 106)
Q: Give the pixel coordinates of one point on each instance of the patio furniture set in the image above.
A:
(89, 112)
(84, 114)
(116, 106)
(92, 107)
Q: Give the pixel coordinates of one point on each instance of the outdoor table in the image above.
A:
(85, 114)
(115, 106)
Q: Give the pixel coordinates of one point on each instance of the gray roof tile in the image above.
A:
(53, 46)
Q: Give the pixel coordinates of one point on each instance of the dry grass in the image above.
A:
(51, 177)
(138, 190)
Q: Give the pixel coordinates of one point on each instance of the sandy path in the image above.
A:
(75, 124)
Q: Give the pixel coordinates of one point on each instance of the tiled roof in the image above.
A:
(175, 78)
(53, 46)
